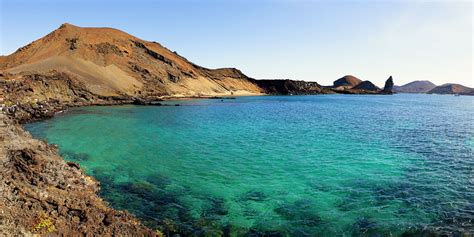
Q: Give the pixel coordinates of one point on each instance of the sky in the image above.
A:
(302, 40)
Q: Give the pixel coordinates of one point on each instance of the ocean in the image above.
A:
(325, 165)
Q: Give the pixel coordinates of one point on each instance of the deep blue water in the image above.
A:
(282, 165)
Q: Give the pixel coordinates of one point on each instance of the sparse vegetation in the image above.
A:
(158, 233)
(46, 223)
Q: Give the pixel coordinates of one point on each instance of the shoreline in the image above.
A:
(31, 169)
(23, 153)
(29, 164)
(414, 231)
(42, 97)
(43, 193)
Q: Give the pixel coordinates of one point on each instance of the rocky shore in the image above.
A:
(41, 193)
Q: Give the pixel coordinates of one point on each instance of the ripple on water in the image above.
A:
(282, 166)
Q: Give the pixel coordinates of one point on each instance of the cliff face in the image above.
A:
(289, 87)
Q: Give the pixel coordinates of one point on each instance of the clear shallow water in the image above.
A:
(295, 165)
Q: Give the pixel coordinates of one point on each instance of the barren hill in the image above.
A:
(415, 87)
(111, 62)
(348, 81)
(452, 89)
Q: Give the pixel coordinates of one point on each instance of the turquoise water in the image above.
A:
(281, 166)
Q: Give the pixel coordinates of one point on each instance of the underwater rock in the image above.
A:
(259, 233)
(159, 180)
(143, 101)
(300, 211)
(80, 157)
(216, 207)
(363, 225)
(253, 196)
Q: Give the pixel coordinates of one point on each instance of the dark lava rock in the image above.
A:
(366, 85)
(289, 87)
(221, 98)
(254, 196)
(72, 43)
(363, 225)
(44, 195)
(73, 164)
(141, 101)
(107, 48)
(388, 88)
(259, 233)
(300, 211)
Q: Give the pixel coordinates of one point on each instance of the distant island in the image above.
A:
(452, 89)
(415, 87)
(431, 88)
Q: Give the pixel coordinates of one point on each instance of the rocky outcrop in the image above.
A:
(28, 97)
(72, 43)
(388, 88)
(289, 87)
(107, 48)
(352, 85)
(40, 193)
(367, 86)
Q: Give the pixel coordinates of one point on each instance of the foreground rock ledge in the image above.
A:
(41, 193)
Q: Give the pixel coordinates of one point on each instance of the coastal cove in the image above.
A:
(288, 119)
(280, 165)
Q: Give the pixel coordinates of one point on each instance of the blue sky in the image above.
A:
(306, 40)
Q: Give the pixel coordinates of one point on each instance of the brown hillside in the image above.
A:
(452, 89)
(112, 62)
(348, 81)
